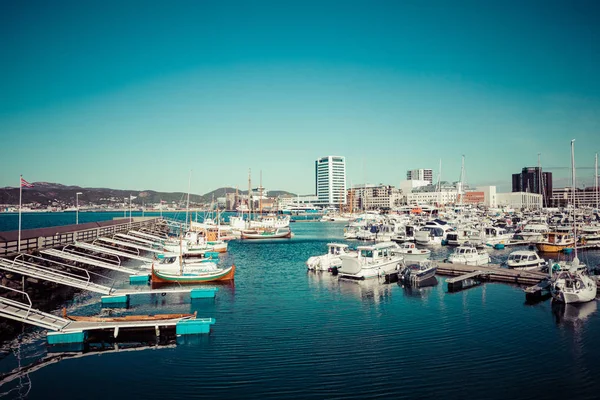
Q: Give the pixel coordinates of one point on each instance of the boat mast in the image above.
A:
(462, 179)
(260, 194)
(187, 207)
(249, 197)
(596, 182)
(439, 184)
(575, 258)
(540, 182)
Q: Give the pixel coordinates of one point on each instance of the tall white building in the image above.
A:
(420, 175)
(330, 181)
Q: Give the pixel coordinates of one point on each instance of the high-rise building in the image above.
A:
(533, 180)
(330, 181)
(420, 175)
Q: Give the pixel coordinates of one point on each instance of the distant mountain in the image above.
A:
(47, 193)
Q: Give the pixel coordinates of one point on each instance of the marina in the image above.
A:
(453, 279)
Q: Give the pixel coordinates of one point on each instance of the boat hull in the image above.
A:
(551, 248)
(258, 236)
(167, 277)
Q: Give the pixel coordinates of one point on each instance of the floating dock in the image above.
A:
(68, 331)
(489, 272)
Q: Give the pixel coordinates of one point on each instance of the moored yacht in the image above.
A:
(418, 271)
(469, 255)
(572, 283)
(410, 252)
(525, 260)
(370, 261)
(553, 242)
(330, 260)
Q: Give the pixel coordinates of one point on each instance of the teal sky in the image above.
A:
(134, 94)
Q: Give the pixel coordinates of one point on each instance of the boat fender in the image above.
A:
(555, 267)
(163, 294)
(398, 267)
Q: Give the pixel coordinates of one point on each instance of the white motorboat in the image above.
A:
(493, 235)
(330, 260)
(469, 255)
(172, 262)
(418, 271)
(534, 232)
(410, 252)
(525, 260)
(463, 236)
(430, 235)
(370, 261)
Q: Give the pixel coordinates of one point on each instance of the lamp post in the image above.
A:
(77, 207)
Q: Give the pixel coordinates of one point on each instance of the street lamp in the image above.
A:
(77, 206)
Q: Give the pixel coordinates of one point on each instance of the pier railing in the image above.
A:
(43, 238)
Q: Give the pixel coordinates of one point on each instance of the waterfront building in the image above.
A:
(330, 181)
(587, 197)
(407, 186)
(533, 180)
(374, 197)
(420, 175)
(519, 200)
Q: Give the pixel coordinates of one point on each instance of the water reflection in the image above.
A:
(373, 291)
(17, 382)
(420, 289)
(573, 315)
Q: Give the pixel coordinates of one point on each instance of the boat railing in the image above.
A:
(52, 271)
(16, 303)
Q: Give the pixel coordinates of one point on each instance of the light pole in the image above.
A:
(77, 207)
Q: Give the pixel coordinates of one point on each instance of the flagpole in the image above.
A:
(20, 199)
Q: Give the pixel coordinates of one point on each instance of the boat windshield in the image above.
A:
(366, 253)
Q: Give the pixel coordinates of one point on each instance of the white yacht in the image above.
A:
(534, 232)
(370, 261)
(463, 236)
(430, 235)
(330, 260)
(495, 235)
(525, 260)
(571, 283)
(410, 252)
(469, 255)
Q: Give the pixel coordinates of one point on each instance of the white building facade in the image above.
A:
(520, 200)
(330, 181)
(374, 197)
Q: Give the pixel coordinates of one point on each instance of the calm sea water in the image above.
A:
(284, 333)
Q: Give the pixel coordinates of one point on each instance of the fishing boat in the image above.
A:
(182, 277)
(370, 261)
(469, 255)
(266, 234)
(127, 318)
(418, 271)
(173, 262)
(525, 260)
(554, 242)
(409, 252)
(329, 260)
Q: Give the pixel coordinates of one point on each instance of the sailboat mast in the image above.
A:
(596, 182)
(573, 191)
(462, 179)
(249, 196)
(187, 207)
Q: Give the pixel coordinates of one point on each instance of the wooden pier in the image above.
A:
(46, 238)
(469, 275)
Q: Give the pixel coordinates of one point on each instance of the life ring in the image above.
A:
(577, 285)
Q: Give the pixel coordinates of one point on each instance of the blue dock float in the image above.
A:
(115, 301)
(203, 293)
(194, 326)
(66, 337)
(136, 279)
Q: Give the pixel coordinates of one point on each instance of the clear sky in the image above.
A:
(134, 94)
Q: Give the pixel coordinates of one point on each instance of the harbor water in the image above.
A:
(283, 332)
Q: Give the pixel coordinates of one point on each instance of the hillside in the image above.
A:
(47, 193)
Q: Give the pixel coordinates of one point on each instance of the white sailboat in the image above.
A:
(571, 283)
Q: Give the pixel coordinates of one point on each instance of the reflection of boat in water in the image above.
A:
(421, 289)
(573, 314)
(373, 290)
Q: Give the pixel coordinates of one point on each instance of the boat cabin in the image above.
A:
(335, 249)
(465, 250)
(523, 256)
(377, 252)
(557, 237)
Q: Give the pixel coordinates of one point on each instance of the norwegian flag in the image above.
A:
(26, 184)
